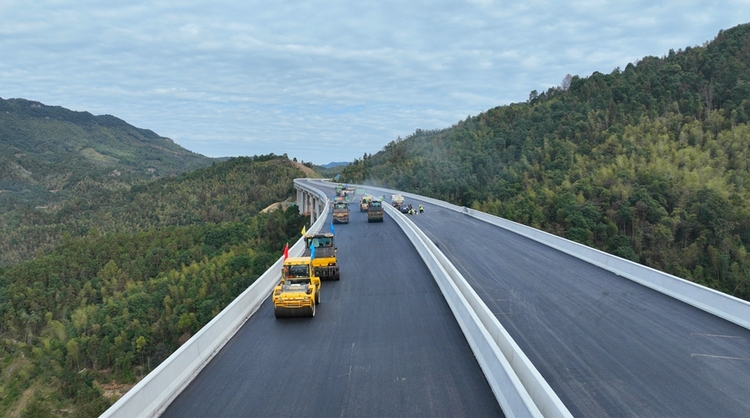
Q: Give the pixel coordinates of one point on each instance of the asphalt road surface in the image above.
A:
(383, 343)
(607, 346)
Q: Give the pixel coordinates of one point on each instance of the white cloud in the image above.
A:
(323, 82)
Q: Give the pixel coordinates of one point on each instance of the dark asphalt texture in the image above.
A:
(606, 345)
(383, 343)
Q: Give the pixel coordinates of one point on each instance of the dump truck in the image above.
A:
(298, 290)
(397, 200)
(324, 263)
(375, 211)
(340, 212)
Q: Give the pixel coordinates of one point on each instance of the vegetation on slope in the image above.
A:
(154, 265)
(229, 191)
(49, 153)
(649, 163)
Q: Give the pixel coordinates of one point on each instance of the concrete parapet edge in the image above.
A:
(518, 387)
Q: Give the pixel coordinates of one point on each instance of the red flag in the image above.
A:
(286, 251)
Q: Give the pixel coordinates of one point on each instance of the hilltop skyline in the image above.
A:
(324, 83)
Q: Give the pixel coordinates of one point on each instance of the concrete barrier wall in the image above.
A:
(153, 394)
(518, 387)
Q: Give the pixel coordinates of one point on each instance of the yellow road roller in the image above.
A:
(324, 263)
(298, 291)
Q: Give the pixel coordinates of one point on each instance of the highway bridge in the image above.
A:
(593, 335)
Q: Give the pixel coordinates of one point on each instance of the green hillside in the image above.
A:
(228, 191)
(153, 265)
(49, 153)
(649, 162)
(56, 164)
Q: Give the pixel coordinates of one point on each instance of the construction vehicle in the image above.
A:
(375, 211)
(340, 212)
(364, 202)
(298, 291)
(397, 200)
(324, 263)
(345, 190)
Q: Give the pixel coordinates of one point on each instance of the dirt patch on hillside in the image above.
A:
(278, 205)
(115, 391)
(309, 172)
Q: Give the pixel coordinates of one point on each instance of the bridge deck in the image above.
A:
(383, 343)
(606, 345)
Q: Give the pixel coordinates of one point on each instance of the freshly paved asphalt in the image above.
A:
(606, 345)
(383, 344)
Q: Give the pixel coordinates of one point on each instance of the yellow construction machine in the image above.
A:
(340, 212)
(324, 263)
(298, 291)
(364, 202)
(375, 211)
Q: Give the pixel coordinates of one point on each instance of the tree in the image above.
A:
(565, 85)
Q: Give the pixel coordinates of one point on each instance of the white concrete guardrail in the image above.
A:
(714, 302)
(519, 388)
(153, 394)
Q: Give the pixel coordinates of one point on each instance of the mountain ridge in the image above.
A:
(47, 151)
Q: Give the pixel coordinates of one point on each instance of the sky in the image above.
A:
(327, 80)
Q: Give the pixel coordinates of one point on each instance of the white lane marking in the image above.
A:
(719, 357)
(693, 334)
(349, 375)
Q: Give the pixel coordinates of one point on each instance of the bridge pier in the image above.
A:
(310, 204)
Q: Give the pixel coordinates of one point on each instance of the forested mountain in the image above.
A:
(328, 172)
(134, 274)
(48, 153)
(649, 162)
(229, 191)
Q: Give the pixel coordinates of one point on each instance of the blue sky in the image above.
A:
(329, 80)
